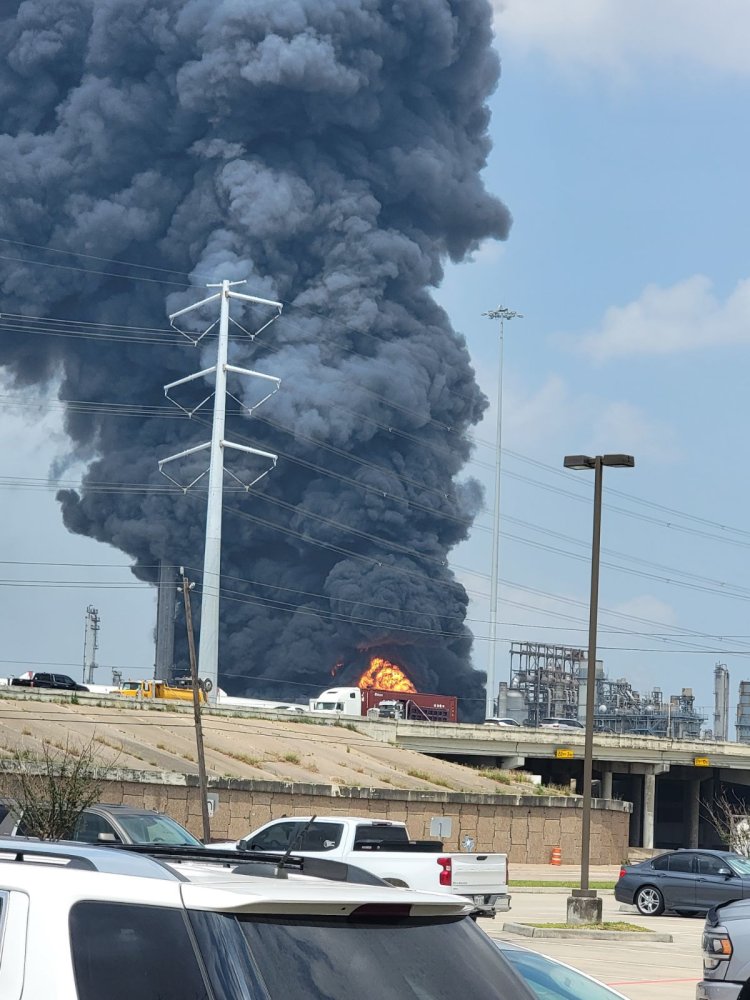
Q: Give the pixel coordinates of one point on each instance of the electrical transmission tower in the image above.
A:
(208, 649)
(90, 644)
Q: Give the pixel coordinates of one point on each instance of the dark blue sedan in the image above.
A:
(686, 882)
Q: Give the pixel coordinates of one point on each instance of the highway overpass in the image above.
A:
(669, 782)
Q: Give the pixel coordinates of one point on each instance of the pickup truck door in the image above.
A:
(275, 837)
(318, 838)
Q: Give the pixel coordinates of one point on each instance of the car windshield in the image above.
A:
(155, 830)
(739, 865)
(551, 981)
(410, 958)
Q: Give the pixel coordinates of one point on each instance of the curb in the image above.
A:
(513, 889)
(526, 930)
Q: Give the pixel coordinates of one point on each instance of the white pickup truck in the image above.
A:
(383, 848)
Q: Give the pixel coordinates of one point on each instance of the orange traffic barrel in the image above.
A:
(556, 857)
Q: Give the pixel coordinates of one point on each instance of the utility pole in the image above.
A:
(90, 643)
(208, 650)
(501, 313)
(197, 692)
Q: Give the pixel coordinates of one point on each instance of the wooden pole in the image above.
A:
(197, 691)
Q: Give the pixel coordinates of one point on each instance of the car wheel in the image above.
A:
(649, 901)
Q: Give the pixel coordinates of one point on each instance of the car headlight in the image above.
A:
(717, 948)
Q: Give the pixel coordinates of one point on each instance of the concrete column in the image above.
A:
(606, 782)
(693, 812)
(649, 808)
(636, 797)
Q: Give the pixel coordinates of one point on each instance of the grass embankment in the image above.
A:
(612, 925)
(553, 884)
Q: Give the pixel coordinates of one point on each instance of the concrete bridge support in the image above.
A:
(649, 807)
(693, 812)
(643, 791)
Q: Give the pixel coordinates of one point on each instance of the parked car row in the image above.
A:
(82, 922)
(715, 883)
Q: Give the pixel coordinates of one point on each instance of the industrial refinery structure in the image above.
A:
(549, 682)
(743, 713)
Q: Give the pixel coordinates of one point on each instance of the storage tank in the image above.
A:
(516, 707)
(721, 702)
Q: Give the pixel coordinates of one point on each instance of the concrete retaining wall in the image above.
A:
(526, 827)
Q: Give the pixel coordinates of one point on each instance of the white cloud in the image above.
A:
(621, 427)
(617, 36)
(648, 607)
(529, 415)
(552, 415)
(686, 316)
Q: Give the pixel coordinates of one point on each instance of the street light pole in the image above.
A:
(501, 313)
(588, 750)
(584, 906)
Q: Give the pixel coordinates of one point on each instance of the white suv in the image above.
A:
(98, 923)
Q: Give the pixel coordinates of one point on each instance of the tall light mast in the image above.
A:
(502, 314)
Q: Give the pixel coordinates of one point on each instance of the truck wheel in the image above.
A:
(649, 901)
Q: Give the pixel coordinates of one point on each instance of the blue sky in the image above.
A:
(620, 149)
(620, 152)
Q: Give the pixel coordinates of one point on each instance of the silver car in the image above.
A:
(110, 824)
(726, 953)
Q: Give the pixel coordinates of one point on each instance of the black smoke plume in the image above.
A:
(329, 151)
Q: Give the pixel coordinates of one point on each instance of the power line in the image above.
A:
(104, 274)
(631, 498)
(105, 260)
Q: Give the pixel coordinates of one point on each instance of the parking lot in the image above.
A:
(641, 970)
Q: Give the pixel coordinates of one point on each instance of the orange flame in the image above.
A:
(385, 676)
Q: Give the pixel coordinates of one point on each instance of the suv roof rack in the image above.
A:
(84, 857)
(257, 863)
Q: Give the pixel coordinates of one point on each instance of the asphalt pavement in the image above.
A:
(640, 970)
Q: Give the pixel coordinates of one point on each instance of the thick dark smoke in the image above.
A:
(330, 152)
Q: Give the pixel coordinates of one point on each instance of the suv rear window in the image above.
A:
(337, 958)
(123, 951)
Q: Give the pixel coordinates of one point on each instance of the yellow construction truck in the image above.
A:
(158, 689)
